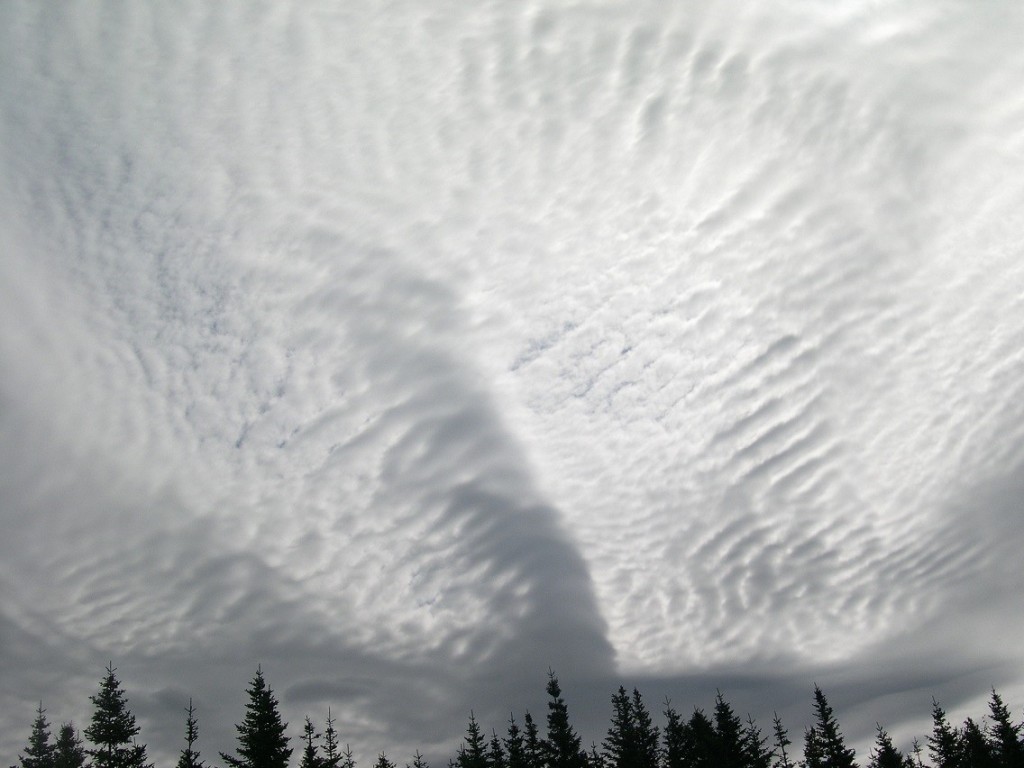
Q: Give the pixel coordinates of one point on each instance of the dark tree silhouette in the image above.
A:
(68, 751)
(113, 730)
(729, 730)
(383, 762)
(496, 757)
(781, 742)
(189, 757)
(673, 747)
(515, 745)
(835, 753)
(944, 743)
(975, 751)
(1004, 734)
(310, 746)
(332, 756)
(562, 747)
(473, 750)
(417, 761)
(885, 755)
(262, 742)
(755, 747)
(532, 743)
(40, 752)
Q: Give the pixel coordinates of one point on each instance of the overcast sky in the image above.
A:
(410, 348)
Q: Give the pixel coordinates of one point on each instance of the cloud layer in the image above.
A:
(411, 351)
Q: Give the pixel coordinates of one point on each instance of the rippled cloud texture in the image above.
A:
(409, 349)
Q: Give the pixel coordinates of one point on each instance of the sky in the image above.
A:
(410, 349)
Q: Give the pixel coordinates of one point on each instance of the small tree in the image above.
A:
(673, 748)
(332, 756)
(68, 751)
(515, 745)
(473, 750)
(533, 745)
(729, 729)
(755, 746)
(310, 748)
(418, 761)
(496, 757)
(885, 754)
(39, 753)
(113, 730)
(563, 747)
(189, 757)
(383, 762)
(781, 742)
(944, 743)
(262, 742)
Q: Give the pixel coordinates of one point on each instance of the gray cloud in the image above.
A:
(409, 353)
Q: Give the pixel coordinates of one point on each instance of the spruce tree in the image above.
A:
(496, 757)
(944, 743)
(814, 750)
(975, 750)
(383, 762)
(1005, 735)
(646, 734)
(40, 752)
(755, 746)
(473, 750)
(781, 742)
(189, 757)
(673, 749)
(418, 761)
(700, 742)
(885, 754)
(68, 751)
(562, 747)
(834, 750)
(620, 743)
(534, 744)
(515, 745)
(332, 757)
(310, 746)
(729, 730)
(113, 730)
(262, 742)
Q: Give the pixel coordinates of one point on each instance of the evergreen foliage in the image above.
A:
(673, 749)
(310, 746)
(755, 747)
(383, 762)
(1005, 735)
(885, 755)
(944, 742)
(473, 750)
(189, 757)
(729, 732)
(417, 761)
(533, 744)
(781, 742)
(562, 747)
(332, 757)
(40, 752)
(515, 746)
(113, 730)
(68, 751)
(262, 742)
(834, 752)
(496, 757)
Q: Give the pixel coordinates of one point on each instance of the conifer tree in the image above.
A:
(595, 759)
(781, 742)
(814, 750)
(383, 762)
(562, 747)
(310, 746)
(496, 757)
(729, 730)
(533, 744)
(473, 750)
(348, 760)
(885, 754)
(68, 751)
(700, 742)
(646, 734)
(515, 745)
(620, 743)
(417, 761)
(834, 750)
(975, 751)
(1005, 735)
(755, 747)
(673, 739)
(944, 743)
(40, 752)
(189, 757)
(332, 757)
(262, 742)
(113, 730)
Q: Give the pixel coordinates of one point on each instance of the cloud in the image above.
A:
(388, 349)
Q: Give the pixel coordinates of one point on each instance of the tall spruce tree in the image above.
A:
(729, 730)
(944, 742)
(755, 746)
(781, 742)
(1005, 734)
(562, 747)
(332, 755)
(113, 730)
(496, 757)
(533, 745)
(40, 752)
(473, 750)
(68, 751)
(310, 746)
(262, 742)
(515, 745)
(834, 750)
(189, 757)
(975, 749)
(620, 743)
(700, 742)
(673, 746)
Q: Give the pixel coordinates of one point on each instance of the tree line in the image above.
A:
(715, 739)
